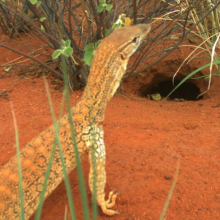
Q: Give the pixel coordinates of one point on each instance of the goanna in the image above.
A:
(107, 69)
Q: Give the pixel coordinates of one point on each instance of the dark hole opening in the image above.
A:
(187, 91)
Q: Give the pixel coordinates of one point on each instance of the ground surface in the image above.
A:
(144, 140)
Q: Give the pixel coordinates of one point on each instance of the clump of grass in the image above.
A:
(206, 37)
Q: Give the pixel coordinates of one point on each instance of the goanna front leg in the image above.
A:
(97, 172)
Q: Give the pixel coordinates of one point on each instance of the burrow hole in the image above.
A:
(188, 91)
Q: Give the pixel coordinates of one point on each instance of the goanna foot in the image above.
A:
(109, 203)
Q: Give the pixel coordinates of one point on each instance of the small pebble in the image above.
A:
(218, 196)
(143, 164)
(168, 176)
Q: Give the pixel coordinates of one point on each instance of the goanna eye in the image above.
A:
(134, 40)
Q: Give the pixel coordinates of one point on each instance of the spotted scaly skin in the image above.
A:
(108, 67)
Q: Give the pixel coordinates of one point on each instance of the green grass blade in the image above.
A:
(65, 214)
(206, 76)
(56, 130)
(78, 163)
(191, 74)
(171, 191)
(41, 200)
(19, 163)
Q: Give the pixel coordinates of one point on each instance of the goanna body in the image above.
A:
(108, 67)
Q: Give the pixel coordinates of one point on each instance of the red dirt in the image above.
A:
(143, 142)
